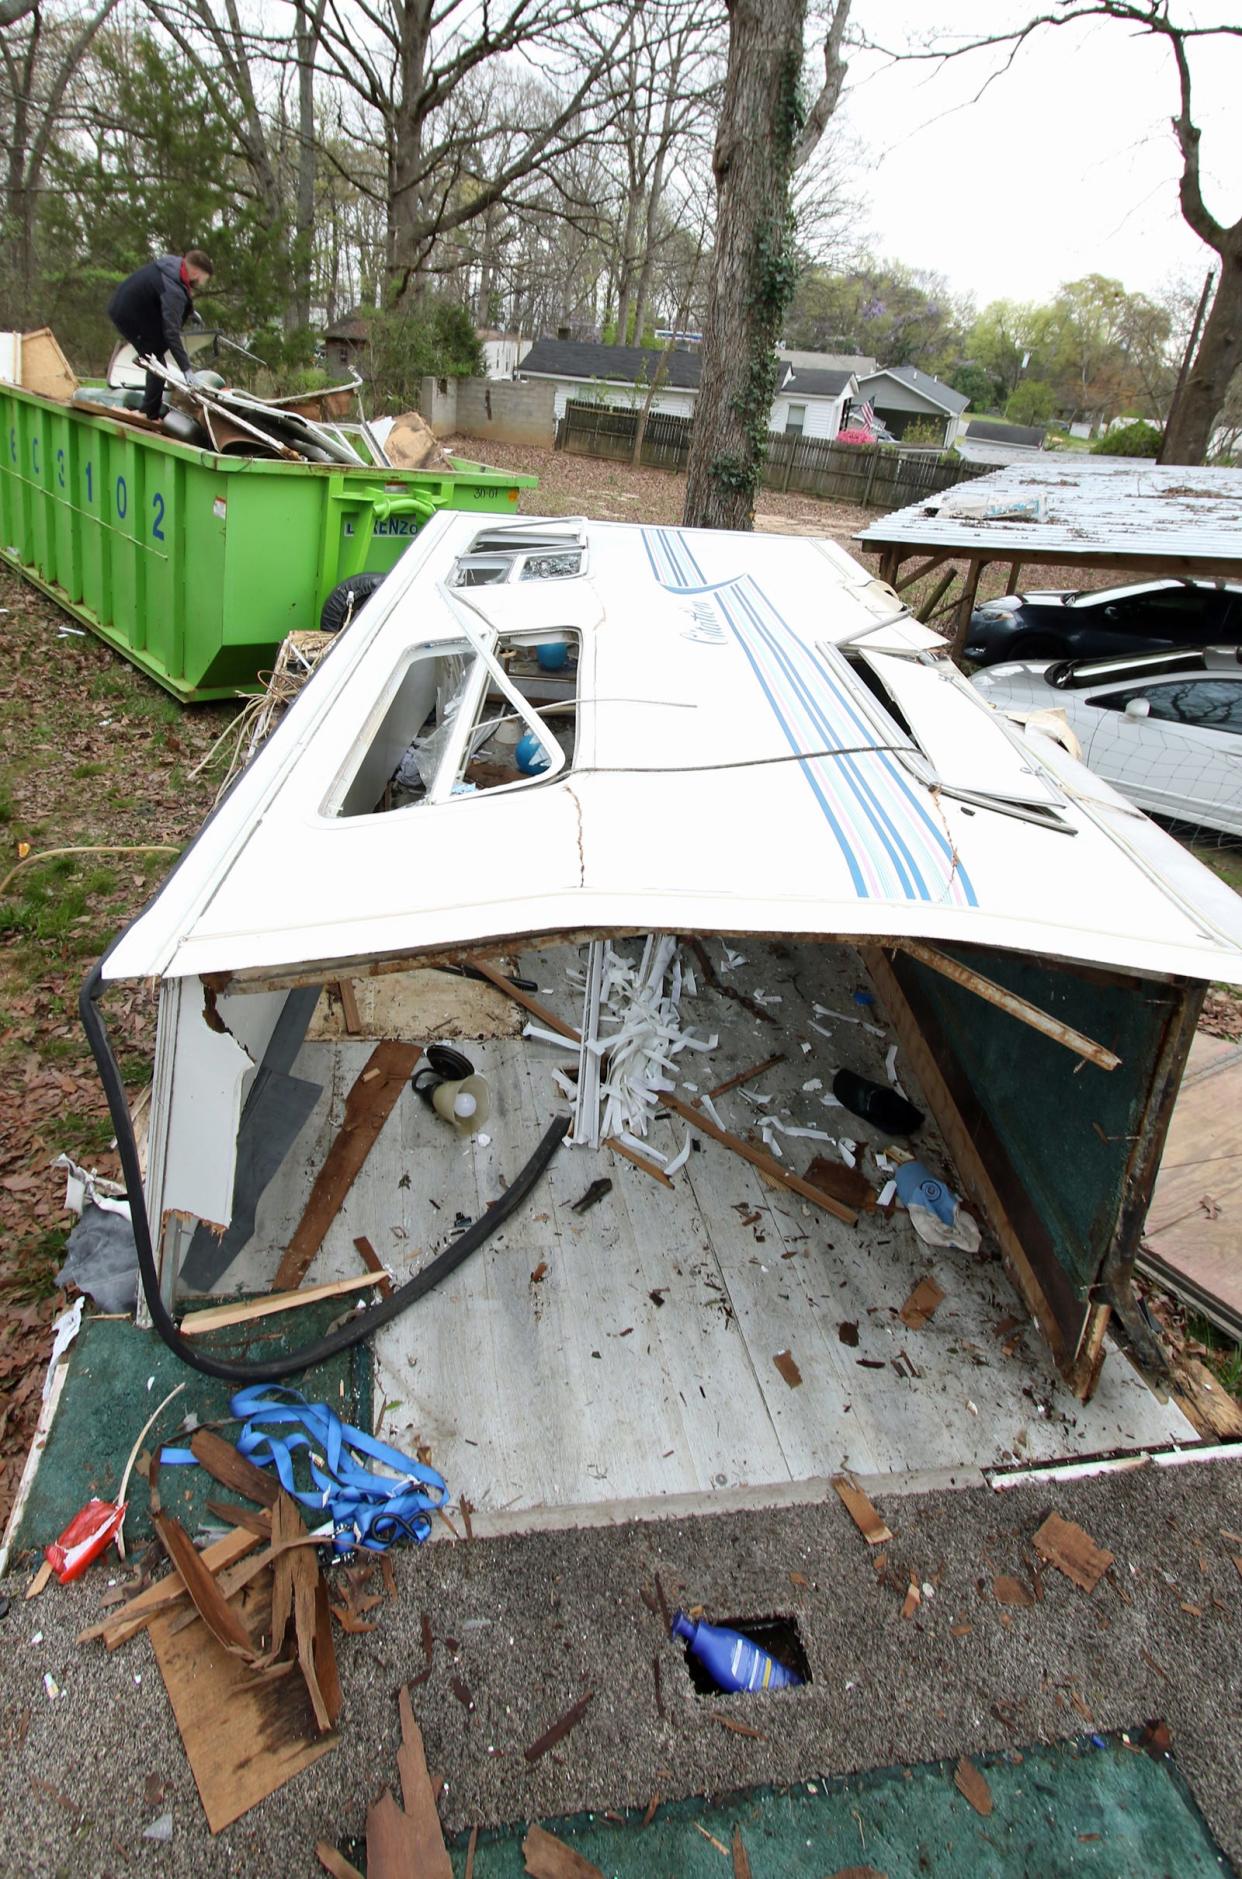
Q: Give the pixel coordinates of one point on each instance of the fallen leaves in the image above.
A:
(969, 1781)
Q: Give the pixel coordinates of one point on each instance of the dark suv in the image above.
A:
(1097, 623)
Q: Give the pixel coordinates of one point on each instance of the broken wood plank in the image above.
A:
(431, 1856)
(860, 1510)
(767, 1164)
(372, 1261)
(367, 1108)
(234, 1514)
(1204, 1400)
(130, 1618)
(786, 1363)
(305, 1580)
(244, 1736)
(741, 1858)
(747, 1076)
(349, 1007)
(390, 1851)
(844, 1184)
(559, 1730)
(921, 1304)
(334, 1862)
(639, 1161)
(546, 1857)
(212, 1607)
(223, 1463)
(1019, 1008)
(218, 1317)
(1064, 1544)
(519, 997)
(325, 1654)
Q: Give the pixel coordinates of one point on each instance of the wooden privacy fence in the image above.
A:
(875, 476)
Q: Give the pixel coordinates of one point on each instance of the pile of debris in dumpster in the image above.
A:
(311, 427)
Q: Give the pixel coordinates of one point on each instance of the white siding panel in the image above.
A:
(823, 417)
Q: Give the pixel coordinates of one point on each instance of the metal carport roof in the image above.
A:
(1089, 512)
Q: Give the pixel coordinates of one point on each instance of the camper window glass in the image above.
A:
(421, 727)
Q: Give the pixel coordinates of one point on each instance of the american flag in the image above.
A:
(866, 413)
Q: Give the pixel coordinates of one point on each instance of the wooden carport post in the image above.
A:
(965, 606)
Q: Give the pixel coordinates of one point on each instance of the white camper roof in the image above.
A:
(764, 743)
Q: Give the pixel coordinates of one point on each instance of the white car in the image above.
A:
(1165, 729)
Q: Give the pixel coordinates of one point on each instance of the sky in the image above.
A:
(1066, 165)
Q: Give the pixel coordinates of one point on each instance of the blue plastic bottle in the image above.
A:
(731, 1660)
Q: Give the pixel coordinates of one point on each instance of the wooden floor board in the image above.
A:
(498, 1374)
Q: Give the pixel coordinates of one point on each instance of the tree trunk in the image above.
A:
(754, 272)
(1189, 431)
(308, 20)
(406, 241)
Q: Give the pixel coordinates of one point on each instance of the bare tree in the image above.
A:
(422, 74)
(1216, 359)
(763, 136)
(38, 64)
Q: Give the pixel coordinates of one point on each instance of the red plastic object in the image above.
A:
(84, 1539)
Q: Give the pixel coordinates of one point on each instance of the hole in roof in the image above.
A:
(861, 669)
(520, 554)
(443, 708)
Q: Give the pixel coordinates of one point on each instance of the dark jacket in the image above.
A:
(151, 307)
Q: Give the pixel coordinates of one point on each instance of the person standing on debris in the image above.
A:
(150, 309)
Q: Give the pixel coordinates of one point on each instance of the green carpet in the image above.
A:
(118, 1374)
(1112, 1811)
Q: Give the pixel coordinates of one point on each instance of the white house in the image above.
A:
(807, 403)
(902, 396)
(501, 351)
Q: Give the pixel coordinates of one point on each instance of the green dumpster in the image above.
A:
(196, 566)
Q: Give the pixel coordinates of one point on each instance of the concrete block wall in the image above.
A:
(500, 409)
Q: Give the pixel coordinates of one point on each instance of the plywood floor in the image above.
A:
(1194, 1228)
(640, 1365)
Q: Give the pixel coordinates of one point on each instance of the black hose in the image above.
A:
(368, 1321)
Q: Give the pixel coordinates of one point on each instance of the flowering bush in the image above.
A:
(857, 434)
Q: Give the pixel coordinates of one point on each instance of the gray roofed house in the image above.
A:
(808, 402)
(903, 396)
(620, 365)
(860, 363)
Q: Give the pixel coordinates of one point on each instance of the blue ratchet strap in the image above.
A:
(366, 1509)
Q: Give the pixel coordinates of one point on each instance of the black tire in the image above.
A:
(345, 601)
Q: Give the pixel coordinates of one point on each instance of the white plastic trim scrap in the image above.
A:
(634, 1023)
(845, 1017)
(890, 1070)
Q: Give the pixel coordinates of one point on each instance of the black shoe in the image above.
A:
(877, 1104)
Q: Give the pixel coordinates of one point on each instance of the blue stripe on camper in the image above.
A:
(891, 843)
